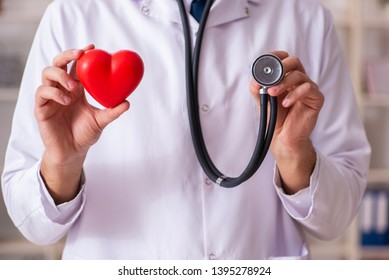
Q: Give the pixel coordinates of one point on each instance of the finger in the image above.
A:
(108, 115)
(73, 71)
(280, 54)
(290, 81)
(63, 59)
(44, 94)
(289, 62)
(89, 47)
(307, 93)
(52, 76)
(292, 63)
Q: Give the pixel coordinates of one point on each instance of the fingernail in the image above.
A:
(71, 84)
(66, 99)
(285, 102)
(274, 90)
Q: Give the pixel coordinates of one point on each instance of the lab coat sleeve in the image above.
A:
(328, 206)
(27, 201)
(64, 213)
(299, 204)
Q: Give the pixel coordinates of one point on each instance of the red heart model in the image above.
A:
(110, 79)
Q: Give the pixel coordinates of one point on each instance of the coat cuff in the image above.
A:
(65, 213)
(299, 205)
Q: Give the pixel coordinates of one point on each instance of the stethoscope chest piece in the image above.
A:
(267, 70)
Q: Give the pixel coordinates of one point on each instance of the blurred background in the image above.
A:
(363, 27)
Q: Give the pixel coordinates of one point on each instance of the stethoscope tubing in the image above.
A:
(265, 132)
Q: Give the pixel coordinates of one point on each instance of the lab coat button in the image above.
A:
(205, 108)
(208, 182)
(145, 10)
(212, 257)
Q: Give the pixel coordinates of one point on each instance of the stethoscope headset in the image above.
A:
(267, 70)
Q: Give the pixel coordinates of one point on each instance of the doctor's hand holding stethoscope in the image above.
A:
(299, 104)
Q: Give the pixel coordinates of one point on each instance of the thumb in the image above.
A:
(106, 116)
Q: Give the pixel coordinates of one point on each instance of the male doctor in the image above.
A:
(126, 184)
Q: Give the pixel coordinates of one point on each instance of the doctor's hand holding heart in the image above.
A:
(68, 124)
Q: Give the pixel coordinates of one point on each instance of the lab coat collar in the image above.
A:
(222, 11)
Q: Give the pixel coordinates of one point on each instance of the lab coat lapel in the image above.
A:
(222, 11)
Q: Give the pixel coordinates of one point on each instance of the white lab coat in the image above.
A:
(145, 195)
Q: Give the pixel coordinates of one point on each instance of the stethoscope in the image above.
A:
(267, 70)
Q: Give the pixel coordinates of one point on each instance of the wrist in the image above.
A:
(295, 166)
(62, 178)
